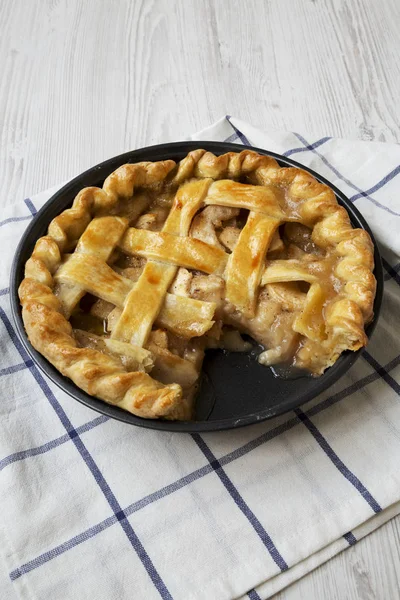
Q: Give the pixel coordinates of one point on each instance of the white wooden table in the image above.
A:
(83, 81)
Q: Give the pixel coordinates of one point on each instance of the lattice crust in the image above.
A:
(172, 252)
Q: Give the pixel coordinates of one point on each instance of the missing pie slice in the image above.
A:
(133, 283)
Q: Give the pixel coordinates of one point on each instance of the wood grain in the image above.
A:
(368, 571)
(83, 81)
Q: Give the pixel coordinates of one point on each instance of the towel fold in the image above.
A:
(94, 508)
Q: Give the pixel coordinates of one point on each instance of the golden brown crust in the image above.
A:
(50, 332)
(201, 179)
(314, 205)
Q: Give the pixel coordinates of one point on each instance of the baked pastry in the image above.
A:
(133, 283)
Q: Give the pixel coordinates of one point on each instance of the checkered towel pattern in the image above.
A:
(93, 508)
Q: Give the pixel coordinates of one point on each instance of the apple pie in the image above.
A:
(136, 280)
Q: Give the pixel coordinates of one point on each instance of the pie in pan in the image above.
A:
(133, 283)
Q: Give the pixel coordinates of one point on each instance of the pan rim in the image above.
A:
(161, 152)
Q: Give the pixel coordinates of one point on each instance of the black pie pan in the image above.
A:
(235, 390)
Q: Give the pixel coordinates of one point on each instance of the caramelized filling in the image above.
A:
(133, 284)
(278, 325)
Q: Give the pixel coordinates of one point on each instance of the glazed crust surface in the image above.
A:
(325, 295)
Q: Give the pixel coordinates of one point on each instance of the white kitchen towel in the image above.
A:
(93, 508)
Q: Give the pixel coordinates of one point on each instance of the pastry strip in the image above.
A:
(255, 198)
(279, 271)
(310, 322)
(99, 239)
(91, 274)
(182, 252)
(144, 302)
(246, 262)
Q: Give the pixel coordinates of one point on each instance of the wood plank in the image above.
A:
(84, 81)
